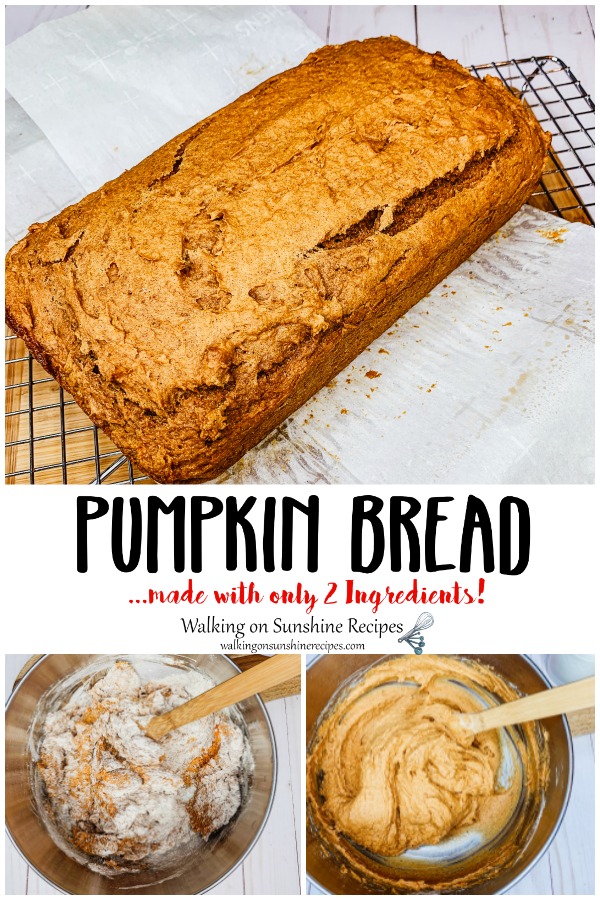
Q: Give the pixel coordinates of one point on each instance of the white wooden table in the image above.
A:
(470, 34)
(273, 866)
(568, 866)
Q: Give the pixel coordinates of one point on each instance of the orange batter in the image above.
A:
(390, 771)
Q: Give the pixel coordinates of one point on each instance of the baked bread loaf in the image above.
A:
(194, 302)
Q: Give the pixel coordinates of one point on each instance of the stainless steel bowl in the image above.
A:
(210, 865)
(324, 677)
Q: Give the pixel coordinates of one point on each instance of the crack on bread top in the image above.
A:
(414, 207)
(179, 154)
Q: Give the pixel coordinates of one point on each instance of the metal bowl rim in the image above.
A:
(260, 829)
(541, 853)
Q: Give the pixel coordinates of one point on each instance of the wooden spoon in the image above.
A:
(552, 702)
(265, 675)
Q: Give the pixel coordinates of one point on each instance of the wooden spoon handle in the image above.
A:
(552, 702)
(267, 674)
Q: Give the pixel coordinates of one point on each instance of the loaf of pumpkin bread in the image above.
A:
(194, 302)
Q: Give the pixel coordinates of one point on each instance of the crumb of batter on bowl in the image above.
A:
(117, 800)
(389, 770)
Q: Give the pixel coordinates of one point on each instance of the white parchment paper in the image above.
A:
(111, 84)
(487, 380)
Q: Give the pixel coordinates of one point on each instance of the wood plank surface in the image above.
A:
(316, 17)
(460, 33)
(277, 851)
(563, 31)
(591, 11)
(352, 23)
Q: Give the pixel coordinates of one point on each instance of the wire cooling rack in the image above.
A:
(566, 110)
(50, 440)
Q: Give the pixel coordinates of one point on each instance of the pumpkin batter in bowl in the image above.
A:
(403, 798)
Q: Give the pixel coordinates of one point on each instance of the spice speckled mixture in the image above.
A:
(125, 801)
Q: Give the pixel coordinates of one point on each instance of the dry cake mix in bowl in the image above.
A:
(401, 800)
(125, 812)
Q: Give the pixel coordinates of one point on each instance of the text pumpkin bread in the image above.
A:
(193, 303)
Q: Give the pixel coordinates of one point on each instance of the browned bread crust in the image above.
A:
(194, 302)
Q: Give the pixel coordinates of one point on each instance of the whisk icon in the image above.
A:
(414, 637)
